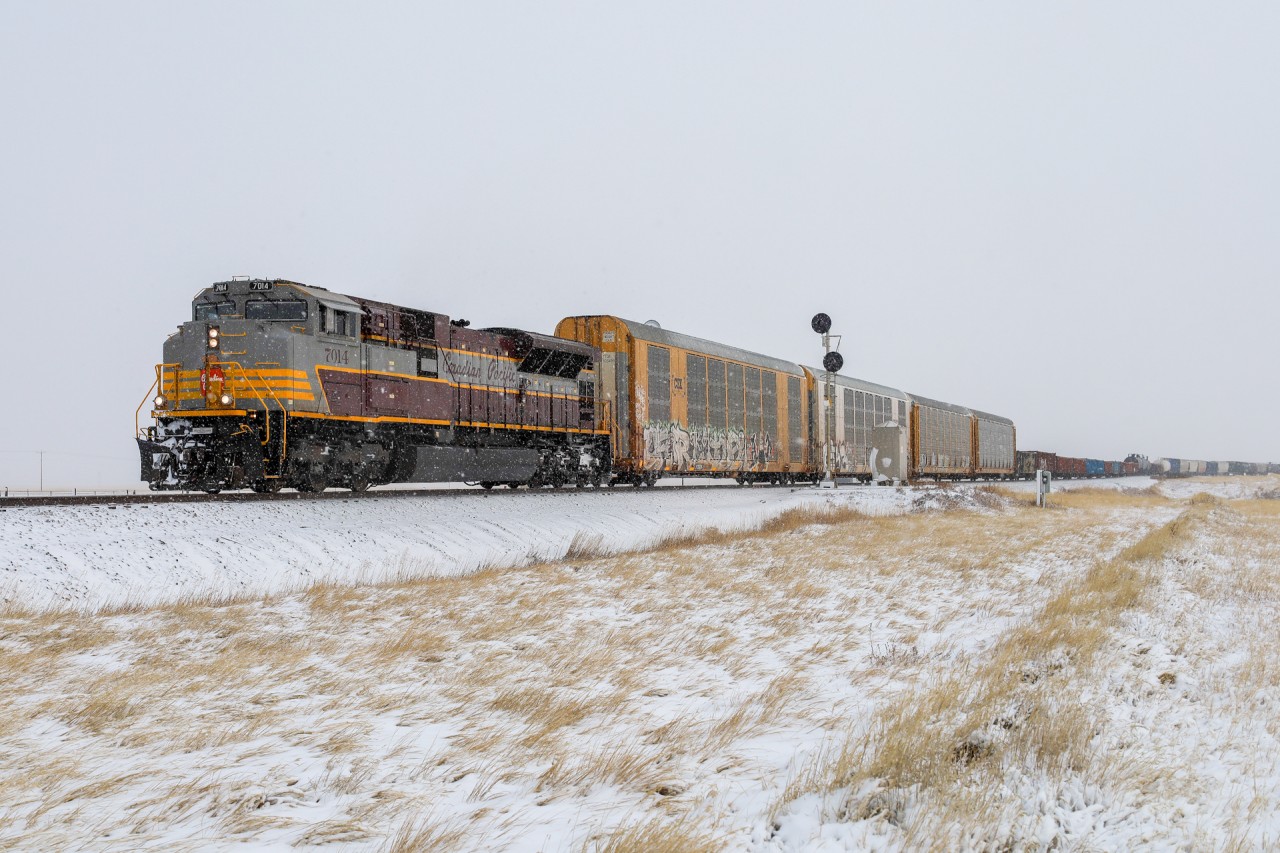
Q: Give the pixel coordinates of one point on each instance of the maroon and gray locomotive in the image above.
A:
(272, 383)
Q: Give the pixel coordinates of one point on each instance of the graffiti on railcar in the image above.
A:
(672, 446)
(842, 457)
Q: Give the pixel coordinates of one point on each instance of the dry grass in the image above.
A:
(938, 736)
(944, 750)
(658, 835)
(643, 674)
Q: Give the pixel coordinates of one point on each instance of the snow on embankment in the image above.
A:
(94, 556)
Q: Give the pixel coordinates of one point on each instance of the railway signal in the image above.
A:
(832, 362)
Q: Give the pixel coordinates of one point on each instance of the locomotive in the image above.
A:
(272, 383)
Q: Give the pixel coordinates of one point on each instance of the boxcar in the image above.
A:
(1030, 461)
(684, 406)
(1095, 468)
(1070, 467)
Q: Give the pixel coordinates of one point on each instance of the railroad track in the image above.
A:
(231, 497)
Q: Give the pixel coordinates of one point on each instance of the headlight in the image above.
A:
(161, 401)
(225, 399)
(213, 342)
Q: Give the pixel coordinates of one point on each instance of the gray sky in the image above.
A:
(1063, 213)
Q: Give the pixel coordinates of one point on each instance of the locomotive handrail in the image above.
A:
(137, 414)
(158, 381)
(284, 414)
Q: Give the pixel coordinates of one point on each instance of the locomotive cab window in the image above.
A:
(212, 310)
(270, 309)
(335, 322)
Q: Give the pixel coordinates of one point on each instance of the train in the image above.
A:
(1135, 464)
(272, 383)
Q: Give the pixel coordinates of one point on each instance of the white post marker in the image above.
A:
(1043, 480)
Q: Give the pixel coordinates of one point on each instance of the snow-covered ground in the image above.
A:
(748, 693)
(91, 556)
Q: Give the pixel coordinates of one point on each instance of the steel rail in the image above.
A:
(232, 497)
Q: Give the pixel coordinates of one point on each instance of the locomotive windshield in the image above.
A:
(211, 310)
(269, 309)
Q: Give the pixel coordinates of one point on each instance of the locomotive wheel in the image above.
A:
(487, 485)
(358, 483)
(268, 487)
(513, 485)
(314, 480)
(212, 491)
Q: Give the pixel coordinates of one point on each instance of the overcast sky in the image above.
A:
(1063, 213)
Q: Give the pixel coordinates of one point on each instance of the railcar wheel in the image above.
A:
(314, 480)
(513, 485)
(212, 491)
(486, 485)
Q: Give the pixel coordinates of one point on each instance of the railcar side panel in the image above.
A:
(859, 407)
(695, 407)
(942, 442)
(994, 440)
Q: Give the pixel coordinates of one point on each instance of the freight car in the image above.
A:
(689, 407)
(861, 412)
(272, 383)
(954, 442)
